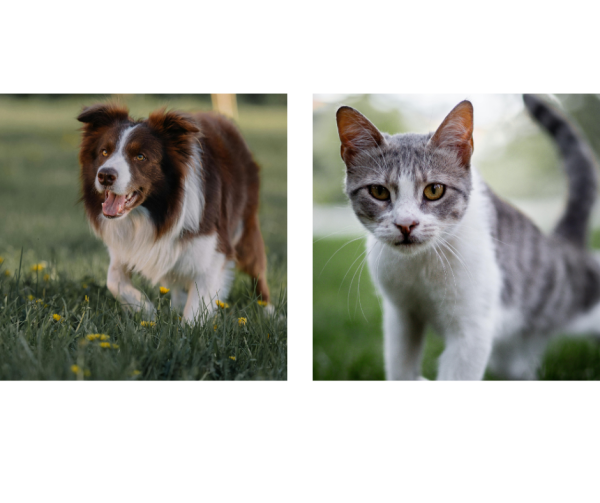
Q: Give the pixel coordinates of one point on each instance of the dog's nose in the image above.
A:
(107, 176)
(406, 226)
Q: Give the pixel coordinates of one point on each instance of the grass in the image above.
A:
(41, 222)
(347, 327)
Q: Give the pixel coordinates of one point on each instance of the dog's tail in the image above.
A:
(580, 166)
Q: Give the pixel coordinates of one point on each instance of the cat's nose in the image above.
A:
(406, 226)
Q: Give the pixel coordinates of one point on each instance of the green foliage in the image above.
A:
(40, 216)
(47, 323)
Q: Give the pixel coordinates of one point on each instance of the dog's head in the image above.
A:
(127, 163)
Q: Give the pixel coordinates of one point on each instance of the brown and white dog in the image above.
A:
(175, 198)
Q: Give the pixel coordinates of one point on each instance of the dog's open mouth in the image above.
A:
(116, 205)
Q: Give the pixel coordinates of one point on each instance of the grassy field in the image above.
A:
(347, 331)
(53, 271)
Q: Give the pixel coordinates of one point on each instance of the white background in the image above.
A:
(298, 440)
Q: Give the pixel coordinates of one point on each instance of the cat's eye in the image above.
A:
(140, 157)
(379, 192)
(434, 191)
(105, 152)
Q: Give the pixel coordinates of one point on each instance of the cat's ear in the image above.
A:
(456, 132)
(356, 133)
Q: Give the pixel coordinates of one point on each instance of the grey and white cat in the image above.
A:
(446, 252)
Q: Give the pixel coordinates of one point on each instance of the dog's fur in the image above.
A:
(175, 198)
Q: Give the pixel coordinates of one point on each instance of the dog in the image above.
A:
(175, 198)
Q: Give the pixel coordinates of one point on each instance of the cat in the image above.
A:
(444, 251)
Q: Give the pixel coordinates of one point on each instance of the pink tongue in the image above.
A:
(113, 205)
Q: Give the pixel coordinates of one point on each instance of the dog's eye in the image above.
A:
(105, 152)
(140, 157)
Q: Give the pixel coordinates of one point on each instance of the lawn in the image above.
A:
(347, 327)
(53, 270)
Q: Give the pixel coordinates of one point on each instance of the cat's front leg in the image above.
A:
(403, 340)
(467, 352)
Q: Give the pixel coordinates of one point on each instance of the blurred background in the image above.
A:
(515, 157)
(39, 169)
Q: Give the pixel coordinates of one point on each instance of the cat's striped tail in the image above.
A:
(580, 166)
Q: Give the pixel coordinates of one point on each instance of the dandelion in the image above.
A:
(262, 303)
(104, 337)
(242, 321)
(136, 373)
(92, 337)
(220, 304)
(147, 323)
(87, 373)
(57, 317)
(215, 327)
(1, 260)
(164, 290)
(75, 369)
(86, 299)
(7, 273)
(38, 267)
(39, 301)
(232, 358)
(30, 297)
(46, 277)
(105, 344)
(115, 346)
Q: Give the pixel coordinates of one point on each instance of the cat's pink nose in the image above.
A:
(406, 226)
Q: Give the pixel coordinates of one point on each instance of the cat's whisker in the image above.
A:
(339, 249)
(349, 269)
(334, 233)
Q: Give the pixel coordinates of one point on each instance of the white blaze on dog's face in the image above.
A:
(114, 178)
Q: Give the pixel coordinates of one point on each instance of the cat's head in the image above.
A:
(408, 190)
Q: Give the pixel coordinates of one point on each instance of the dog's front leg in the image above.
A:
(198, 299)
(120, 285)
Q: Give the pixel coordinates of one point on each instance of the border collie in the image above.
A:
(175, 198)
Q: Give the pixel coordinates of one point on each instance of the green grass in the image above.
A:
(347, 327)
(41, 220)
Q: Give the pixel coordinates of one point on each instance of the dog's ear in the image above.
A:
(103, 114)
(172, 124)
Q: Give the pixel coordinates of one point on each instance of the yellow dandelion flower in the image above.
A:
(7, 273)
(1, 260)
(242, 321)
(104, 337)
(92, 337)
(115, 346)
(46, 277)
(222, 305)
(232, 357)
(39, 301)
(164, 290)
(105, 344)
(262, 303)
(147, 323)
(38, 267)
(86, 299)
(57, 317)
(87, 373)
(75, 368)
(136, 373)
(215, 327)
(30, 297)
